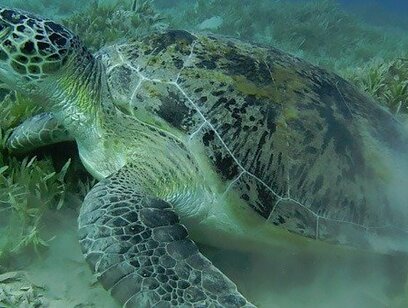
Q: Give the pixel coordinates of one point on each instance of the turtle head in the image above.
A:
(47, 61)
(31, 48)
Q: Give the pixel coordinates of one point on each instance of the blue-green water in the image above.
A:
(351, 38)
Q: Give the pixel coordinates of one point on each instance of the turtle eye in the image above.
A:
(4, 29)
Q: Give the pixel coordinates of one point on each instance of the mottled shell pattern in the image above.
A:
(302, 147)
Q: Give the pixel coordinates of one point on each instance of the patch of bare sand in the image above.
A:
(58, 278)
(61, 278)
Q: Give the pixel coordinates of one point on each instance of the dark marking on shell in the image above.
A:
(337, 131)
(239, 64)
(208, 137)
(207, 64)
(223, 162)
(174, 111)
(226, 166)
(162, 41)
(257, 195)
(300, 132)
(178, 63)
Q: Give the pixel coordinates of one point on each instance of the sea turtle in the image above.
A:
(209, 137)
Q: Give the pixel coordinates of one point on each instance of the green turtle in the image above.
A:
(205, 138)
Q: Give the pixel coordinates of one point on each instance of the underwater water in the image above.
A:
(365, 42)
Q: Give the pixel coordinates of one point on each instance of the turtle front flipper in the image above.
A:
(40, 130)
(142, 254)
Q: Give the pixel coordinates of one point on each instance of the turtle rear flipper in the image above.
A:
(142, 255)
(40, 130)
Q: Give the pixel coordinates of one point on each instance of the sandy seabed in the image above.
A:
(60, 278)
(57, 278)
